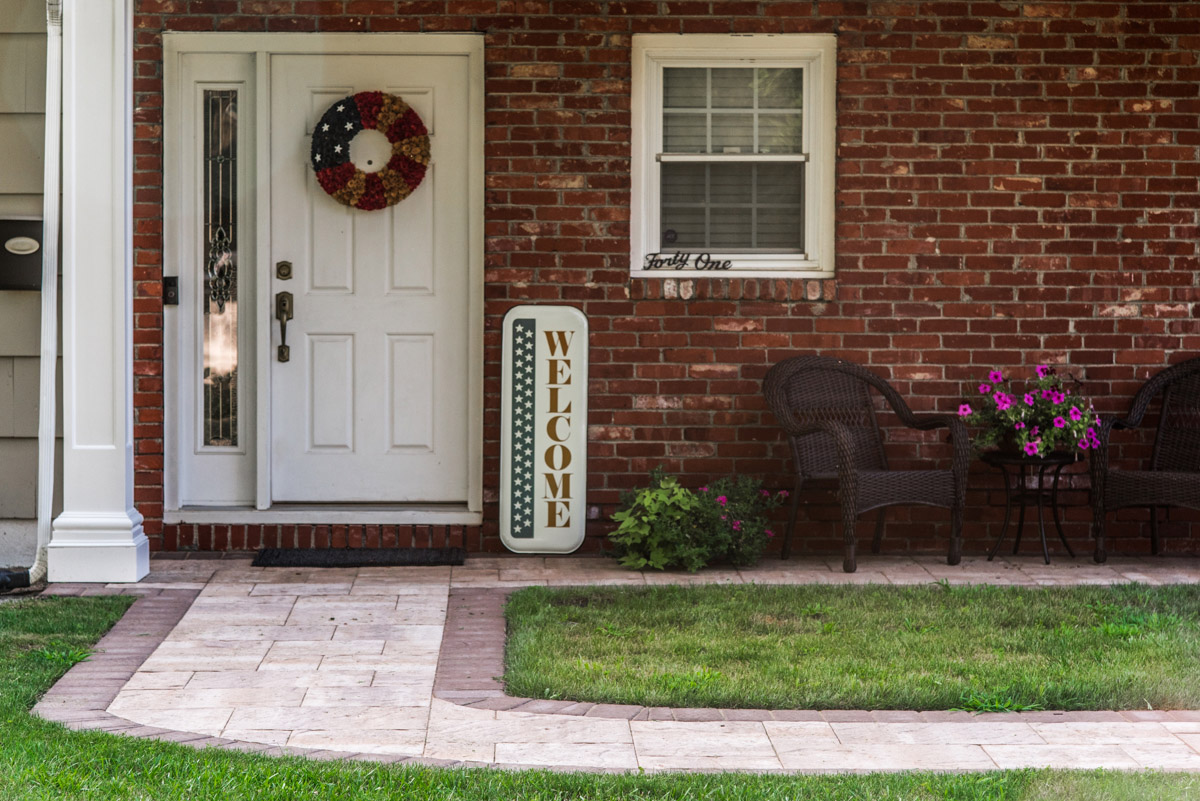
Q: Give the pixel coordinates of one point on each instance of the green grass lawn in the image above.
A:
(39, 639)
(859, 647)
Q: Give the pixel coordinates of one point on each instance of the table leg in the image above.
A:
(1007, 514)
(1041, 517)
(1054, 508)
(1021, 515)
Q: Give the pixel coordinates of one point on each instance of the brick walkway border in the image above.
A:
(472, 660)
(470, 663)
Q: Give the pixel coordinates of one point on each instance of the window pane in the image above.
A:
(683, 228)
(781, 88)
(731, 183)
(684, 183)
(685, 87)
(220, 268)
(733, 88)
(731, 228)
(732, 133)
(685, 133)
(780, 133)
(732, 110)
(732, 207)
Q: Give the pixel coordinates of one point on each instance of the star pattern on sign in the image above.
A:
(524, 351)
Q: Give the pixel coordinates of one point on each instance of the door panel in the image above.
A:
(373, 404)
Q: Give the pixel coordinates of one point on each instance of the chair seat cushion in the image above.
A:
(1151, 488)
(889, 487)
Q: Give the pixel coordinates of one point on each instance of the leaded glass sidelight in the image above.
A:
(219, 245)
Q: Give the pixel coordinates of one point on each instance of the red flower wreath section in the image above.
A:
(342, 179)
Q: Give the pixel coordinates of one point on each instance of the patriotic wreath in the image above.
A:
(341, 178)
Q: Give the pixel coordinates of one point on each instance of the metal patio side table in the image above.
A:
(1015, 490)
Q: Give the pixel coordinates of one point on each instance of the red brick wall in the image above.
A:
(1017, 183)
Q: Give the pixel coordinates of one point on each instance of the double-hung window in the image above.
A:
(733, 155)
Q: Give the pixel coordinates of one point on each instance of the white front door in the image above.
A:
(373, 403)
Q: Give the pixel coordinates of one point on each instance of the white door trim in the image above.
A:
(262, 47)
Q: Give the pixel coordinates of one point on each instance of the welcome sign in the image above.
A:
(543, 430)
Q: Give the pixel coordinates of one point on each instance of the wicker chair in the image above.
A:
(825, 407)
(1173, 476)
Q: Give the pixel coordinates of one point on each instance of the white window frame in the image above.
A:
(816, 54)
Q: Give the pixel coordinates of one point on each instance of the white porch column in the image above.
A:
(98, 537)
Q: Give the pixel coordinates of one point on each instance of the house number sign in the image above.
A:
(543, 429)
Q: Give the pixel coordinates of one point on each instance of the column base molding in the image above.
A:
(98, 547)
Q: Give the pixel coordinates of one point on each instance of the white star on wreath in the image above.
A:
(341, 107)
(317, 157)
(325, 127)
(337, 148)
(349, 126)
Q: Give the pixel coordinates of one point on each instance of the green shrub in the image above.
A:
(667, 525)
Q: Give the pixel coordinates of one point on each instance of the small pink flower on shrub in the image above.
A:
(1029, 399)
(721, 499)
(995, 376)
(783, 493)
(1059, 422)
(984, 389)
(704, 489)
(1019, 425)
(1076, 414)
(1083, 443)
(1043, 370)
(765, 493)
(1058, 397)
(964, 410)
(1031, 448)
(770, 533)
(737, 525)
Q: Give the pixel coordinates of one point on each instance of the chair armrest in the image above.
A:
(847, 466)
(960, 440)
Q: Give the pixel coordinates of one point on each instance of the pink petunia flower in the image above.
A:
(704, 489)
(765, 493)
(1019, 425)
(1083, 443)
(1076, 414)
(1029, 399)
(769, 533)
(1059, 422)
(995, 376)
(1035, 431)
(1042, 370)
(783, 493)
(964, 410)
(722, 499)
(737, 525)
(1045, 394)
(1058, 397)
(984, 389)
(1031, 448)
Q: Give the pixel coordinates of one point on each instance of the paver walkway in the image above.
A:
(398, 664)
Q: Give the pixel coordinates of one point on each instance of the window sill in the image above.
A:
(731, 286)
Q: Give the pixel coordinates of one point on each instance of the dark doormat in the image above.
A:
(358, 557)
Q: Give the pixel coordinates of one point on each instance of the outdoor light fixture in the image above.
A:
(22, 246)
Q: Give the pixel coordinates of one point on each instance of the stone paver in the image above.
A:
(400, 664)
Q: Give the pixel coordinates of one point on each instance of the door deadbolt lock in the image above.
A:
(283, 313)
(283, 270)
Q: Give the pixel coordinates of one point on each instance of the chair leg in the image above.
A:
(956, 523)
(1154, 530)
(849, 515)
(791, 524)
(876, 542)
(1098, 533)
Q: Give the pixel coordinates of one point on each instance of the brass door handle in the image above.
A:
(283, 313)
